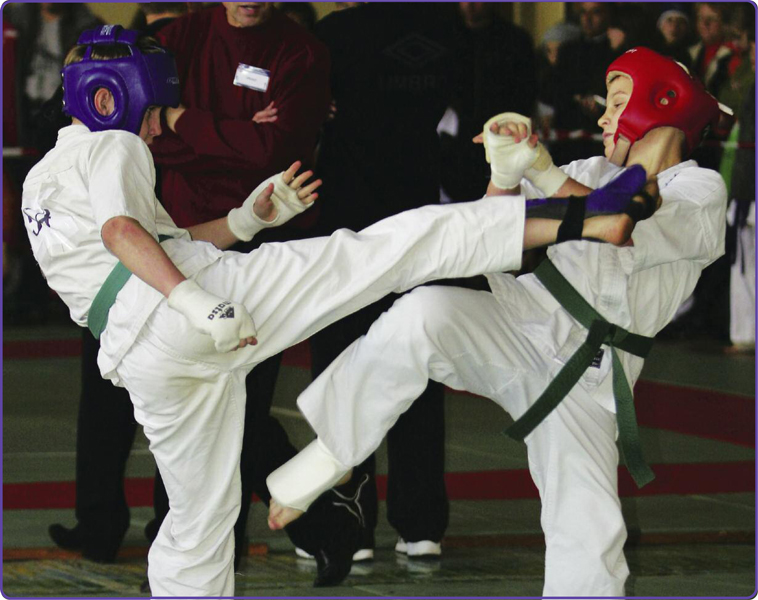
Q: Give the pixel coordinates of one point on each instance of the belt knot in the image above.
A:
(615, 336)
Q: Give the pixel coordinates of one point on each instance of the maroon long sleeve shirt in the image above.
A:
(218, 155)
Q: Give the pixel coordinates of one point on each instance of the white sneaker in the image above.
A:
(361, 555)
(422, 549)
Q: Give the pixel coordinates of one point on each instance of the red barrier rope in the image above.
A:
(16, 152)
(551, 135)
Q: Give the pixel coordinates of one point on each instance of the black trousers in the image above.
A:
(417, 503)
(104, 437)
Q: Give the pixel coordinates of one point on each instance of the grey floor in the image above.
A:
(688, 544)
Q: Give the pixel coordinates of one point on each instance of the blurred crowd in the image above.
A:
(497, 67)
(410, 86)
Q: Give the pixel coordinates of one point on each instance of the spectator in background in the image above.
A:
(301, 13)
(46, 31)
(391, 67)
(255, 92)
(742, 221)
(629, 27)
(10, 107)
(11, 226)
(547, 59)
(160, 14)
(580, 81)
(713, 57)
(496, 71)
(740, 31)
(673, 32)
(555, 37)
(714, 61)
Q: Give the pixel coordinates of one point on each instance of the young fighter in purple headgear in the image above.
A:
(168, 333)
(559, 349)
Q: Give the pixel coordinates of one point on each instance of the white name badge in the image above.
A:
(252, 77)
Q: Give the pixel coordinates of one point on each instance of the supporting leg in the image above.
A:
(454, 336)
(186, 408)
(573, 460)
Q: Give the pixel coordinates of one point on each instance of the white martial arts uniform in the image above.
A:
(509, 344)
(742, 281)
(190, 399)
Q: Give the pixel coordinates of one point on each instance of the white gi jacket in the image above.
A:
(638, 287)
(87, 179)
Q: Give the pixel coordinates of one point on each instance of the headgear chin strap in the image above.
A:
(137, 81)
(664, 94)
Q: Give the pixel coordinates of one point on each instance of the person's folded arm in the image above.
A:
(302, 98)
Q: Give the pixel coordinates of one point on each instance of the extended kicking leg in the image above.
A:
(293, 491)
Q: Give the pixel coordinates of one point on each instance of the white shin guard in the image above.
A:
(303, 478)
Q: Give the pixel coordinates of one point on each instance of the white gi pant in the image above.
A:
(466, 340)
(190, 399)
(742, 285)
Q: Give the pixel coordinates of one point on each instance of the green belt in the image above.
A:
(600, 332)
(97, 318)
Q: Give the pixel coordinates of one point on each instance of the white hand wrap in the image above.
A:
(544, 174)
(307, 475)
(225, 321)
(508, 159)
(244, 223)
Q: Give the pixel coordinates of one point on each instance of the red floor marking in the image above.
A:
(705, 413)
(678, 479)
(125, 552)
(693, 411)
(24, 349)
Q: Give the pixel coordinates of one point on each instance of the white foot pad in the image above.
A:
(303, 478)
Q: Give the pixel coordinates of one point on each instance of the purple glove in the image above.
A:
(616, 196)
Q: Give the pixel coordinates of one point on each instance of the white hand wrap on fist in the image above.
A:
(544, 174)
(225, 321)
(244, 223)
(508, 159)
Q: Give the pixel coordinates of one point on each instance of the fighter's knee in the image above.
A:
(423, 299)
(424, 308)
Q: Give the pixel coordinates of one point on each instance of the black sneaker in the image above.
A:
(94, 548)
(331, 532)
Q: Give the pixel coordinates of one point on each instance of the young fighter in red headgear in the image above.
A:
(167, 333)
(559, 349)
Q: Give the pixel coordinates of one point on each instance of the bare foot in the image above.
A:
(281, 516)
(617, 229)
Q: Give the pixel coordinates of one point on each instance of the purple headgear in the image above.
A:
(137, 81)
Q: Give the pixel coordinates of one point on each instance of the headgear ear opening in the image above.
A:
(137, 81)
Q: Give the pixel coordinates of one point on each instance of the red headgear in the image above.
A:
(663, 94)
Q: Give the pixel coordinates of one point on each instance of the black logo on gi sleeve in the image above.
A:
(38, 217)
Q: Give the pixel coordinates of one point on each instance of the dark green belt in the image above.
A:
(601, 332)
(97, 318)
